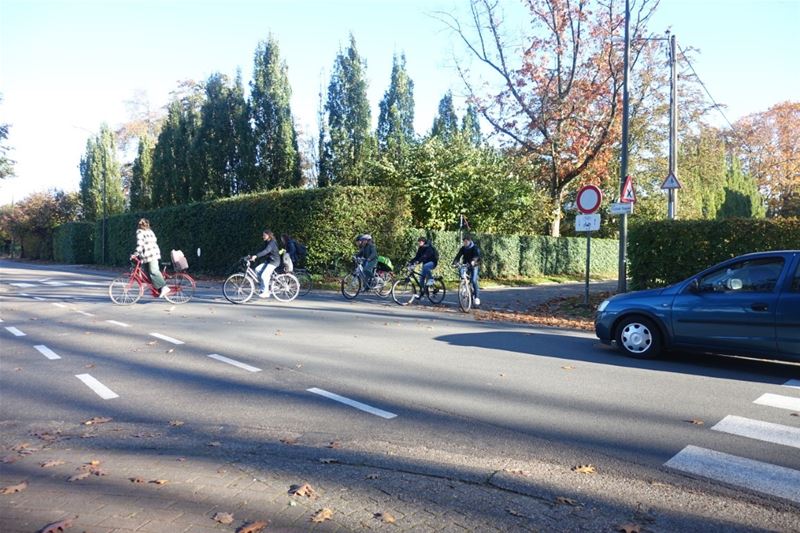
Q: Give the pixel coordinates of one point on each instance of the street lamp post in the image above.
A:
(622, 275)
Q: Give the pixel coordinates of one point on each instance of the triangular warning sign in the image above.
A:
(628, 195)
(671, 182)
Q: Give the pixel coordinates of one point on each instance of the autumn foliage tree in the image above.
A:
(557, 97)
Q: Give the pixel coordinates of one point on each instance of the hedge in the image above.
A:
(664, 252)
(73, 242)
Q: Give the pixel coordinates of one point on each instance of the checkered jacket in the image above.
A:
(147, 245)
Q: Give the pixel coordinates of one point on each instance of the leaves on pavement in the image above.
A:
(136, 480)
(97, 420)
(12, 489)
(8, 459)
(629, 528)
(58, 527)
(373, 476)
(78, 477)
(585, 469)
(563, 500)
(303, 490)
(696, 422)
(159, 481)
(568, 367)
(252, 527)
(214, 444)
(176, 423)
(334, 444)
(386, 518)
(322, 515)
(51, 463)
(328, 460)
(289, 441)
(223, 518)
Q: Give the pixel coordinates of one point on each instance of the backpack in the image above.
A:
(302, 252)
(435, 254)
(179, 261)
(385, 264)
(288, 266)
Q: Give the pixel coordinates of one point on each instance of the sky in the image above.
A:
(67, 66)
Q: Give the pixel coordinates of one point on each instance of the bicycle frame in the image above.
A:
(138, 274)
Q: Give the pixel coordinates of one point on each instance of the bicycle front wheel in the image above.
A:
(403, 291)
(305, 281)
(125, 290)
(351, 286)
(436, 291)
(464, 296)
(238, 288)
(384, 287)
(181, 288)
(285, 287)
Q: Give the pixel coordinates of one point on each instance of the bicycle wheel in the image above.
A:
(464, 296)
(285, 287)
(125, 290)
(181, 288)
(238, 288)
(305, 281)
(384, 287)
(403, 291)
(436, 291)
(351, 286)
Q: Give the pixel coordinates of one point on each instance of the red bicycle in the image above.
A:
(127, 289)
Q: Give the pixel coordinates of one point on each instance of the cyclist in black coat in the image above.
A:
(428, 257)
(470, 254)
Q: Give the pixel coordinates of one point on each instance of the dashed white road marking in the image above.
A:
(56, 283)
(25, 294)
(756, 429)
(14, 331)
(83, 312)
(57, 304)
(39, 298)
(100, 389)
(120, 324)
(748, 473)
(165, 338)
(353, 403)
(23, 285)
(795, 383)
(44, 279)
(233, 362)
(781, 402)
(47, 352)
(95, 283)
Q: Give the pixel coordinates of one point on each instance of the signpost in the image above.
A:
(588, 201)
(618, 208)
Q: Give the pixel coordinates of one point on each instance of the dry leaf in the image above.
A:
(97, 471)
(517, 472)
(278, 333)
(223, 518)
(11, 489)
(629, 528)
(18, 369)
(159, 481)
(584, 469)
(289, 441)
(90, 365)
(93, 462)
(568, 367)
(136, 480)
(21, 446)
(215, 443)
(696, 421)
(328, 460)
(97, 420)
(512, 512)
(562, 500)
(54, 462)
(373, 476)
(334, 444)
(171, 350)
(47, 436)
(78, 477)
(152, 343)
(176, 423)
(252, 527)
(58, 527)
(322, 515)
(386, 518)
(181, 459)
(303, 490)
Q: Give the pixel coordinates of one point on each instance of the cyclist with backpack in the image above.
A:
(428, 257)
(265, 269)
(470, 254)
(290, 246)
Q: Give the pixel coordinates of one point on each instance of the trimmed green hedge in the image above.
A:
(668, 251)
(73, 242)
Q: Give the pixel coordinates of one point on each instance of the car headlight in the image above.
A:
(602, 306)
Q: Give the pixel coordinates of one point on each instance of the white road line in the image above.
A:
(756, 429)
(55, 283)
(756, 475)
(352, 403)
(795, 383)
(25, 294)
(88, 282)
(59, 305)
(100, 389)
(15, 332)
(121, 324)
(83, 312)
(165, 338)
(43, 280)
(781, 402)
(38, 298)
(23, 285)
(47, 352)
(234, 362)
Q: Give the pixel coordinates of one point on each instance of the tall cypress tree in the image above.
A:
(445, 125)
(471, 127)
(396, 120)
(101, 181)
(349, 146)
(275, 137)
(142, 175)
(742, 198)
(166, 170)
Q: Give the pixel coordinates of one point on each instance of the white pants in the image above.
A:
(264, 271)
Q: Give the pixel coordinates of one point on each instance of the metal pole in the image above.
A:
(673, 127)
(622, 280)
(104, 218)
(588, 263)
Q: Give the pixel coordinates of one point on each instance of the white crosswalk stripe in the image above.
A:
(763, 431)
(779, 401)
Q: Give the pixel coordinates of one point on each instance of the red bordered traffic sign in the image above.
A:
(628, 195)
(589, 199)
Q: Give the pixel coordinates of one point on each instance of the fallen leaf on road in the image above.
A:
(252, 527)
(97, 420)
(90, 365)
(562, 500)
(58, 527)
(373, 476)
(47, 436)
(136, 480)
(176, 423)
(512, 512)
(335, 444)
(328, 460)
(696, 422)
(289, 441)
(159, 481)
(584, 469)
(322, 515)
(21, 446)
(54, 462)
(278, 333)
(303, 490)
(214, 444)
(386, 518)
(12, 489)
(88, 435)
(170, 350)
(181, 459)
(516, 472)
(568, 367)
(629, 528)
(223, 518)
(152, 343)
(18, 369)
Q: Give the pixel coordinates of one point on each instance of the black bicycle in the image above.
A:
(406, 290)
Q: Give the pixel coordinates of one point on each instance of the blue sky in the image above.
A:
(68, 66)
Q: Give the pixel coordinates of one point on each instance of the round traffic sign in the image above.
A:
(589, 199)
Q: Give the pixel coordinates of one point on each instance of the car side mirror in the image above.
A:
(694, 286)
(734, 284)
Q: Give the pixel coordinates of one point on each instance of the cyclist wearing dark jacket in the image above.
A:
(470, 254)
(369, 252)
(428, 257)
(265, 269)
(290, 245)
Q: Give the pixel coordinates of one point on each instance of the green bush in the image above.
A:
(73, 243)
(668, 251)
(36, 246)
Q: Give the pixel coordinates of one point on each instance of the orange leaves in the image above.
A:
(303, 490)
(97, 420)
(322, 515)
(252, 527)
(13, 489)
(584, 469)
(58, 527)
(223, 518)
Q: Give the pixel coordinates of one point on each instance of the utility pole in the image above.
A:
(622, 276)
(672, 199)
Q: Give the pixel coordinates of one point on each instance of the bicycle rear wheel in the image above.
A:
(403, 291)
(285, 287)
(305, 281)
(238, 288)
(181, 288)
(436, 291)
(464, 296)
(384, 290)
(125, 290)
(351, 286)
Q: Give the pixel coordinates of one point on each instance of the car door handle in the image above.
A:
(759, 307)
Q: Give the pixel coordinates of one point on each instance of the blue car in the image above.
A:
(748, 306)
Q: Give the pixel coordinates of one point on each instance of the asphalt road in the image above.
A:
(409, 389)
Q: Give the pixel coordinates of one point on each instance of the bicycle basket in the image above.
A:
(179, 261)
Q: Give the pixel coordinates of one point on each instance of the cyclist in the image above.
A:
(148, 252)
(265, 269)
(428, 257)
(290, 245)
(369, 252)
(470, 254)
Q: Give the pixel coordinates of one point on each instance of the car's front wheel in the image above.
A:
(639, 337)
